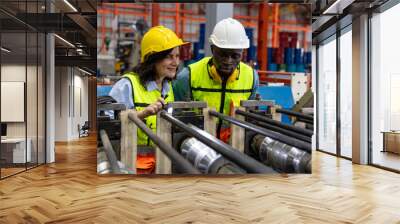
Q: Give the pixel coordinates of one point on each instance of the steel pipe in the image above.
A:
(182, 163)
(108, 149)
(295, 114)
(305, 120)
(104, 167)
(284, 131)
(280, 156)
(243, 160)
(206, 159)
(277, 136)
(264, 119)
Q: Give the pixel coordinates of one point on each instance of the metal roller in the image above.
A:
(280, 156)
(205, 159)
(246, 162)
(200, 155)
(104, 166)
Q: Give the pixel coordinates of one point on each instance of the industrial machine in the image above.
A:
(109, 127)
(185, 141)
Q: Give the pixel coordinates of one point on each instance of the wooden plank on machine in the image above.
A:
(187, 105)
(163, 163)
(256, 103)
(238, 133)
(210, 122)
(128, 141)
(275, 115)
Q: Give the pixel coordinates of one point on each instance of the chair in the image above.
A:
(84, 130)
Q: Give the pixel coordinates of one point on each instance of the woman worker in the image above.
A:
(148, 87)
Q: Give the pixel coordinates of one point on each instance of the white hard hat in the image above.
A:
(229, 34)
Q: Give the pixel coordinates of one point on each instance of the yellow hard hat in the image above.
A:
(157, 39)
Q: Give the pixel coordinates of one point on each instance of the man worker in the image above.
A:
(221, 80)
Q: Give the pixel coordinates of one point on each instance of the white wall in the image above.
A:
(11, 73)
(61, 103)
(15, 72)
(71, 102)
(34, 124)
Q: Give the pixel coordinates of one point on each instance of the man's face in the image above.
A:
(226, 60)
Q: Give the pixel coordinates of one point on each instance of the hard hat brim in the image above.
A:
(229, 46)
(172, 47)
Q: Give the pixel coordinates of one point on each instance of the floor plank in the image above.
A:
(70, 191)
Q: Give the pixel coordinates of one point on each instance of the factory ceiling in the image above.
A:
(73, 21)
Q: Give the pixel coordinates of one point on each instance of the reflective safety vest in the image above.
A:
(207, 86)
(217, 94)
(143, 98)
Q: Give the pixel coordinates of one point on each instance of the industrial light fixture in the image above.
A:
(70, 5)
(5, 49)
(337, 7)
(331, 7)
(84, 71)
(65, 41)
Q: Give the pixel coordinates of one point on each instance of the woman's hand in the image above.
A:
(152, 109)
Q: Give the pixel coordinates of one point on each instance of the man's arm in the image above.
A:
(181, 86)
(256, 83)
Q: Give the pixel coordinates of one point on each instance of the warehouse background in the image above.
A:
(280, 48)
(281, 26)
(280, 41)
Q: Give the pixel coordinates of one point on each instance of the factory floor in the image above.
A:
(70, 191)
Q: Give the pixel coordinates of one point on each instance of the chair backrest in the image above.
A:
(86, 125)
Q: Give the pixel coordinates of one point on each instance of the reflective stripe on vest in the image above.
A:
(141, 99)
(204, 88)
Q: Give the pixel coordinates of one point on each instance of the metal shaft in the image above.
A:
(276, 123)
(305, 120)
(296, 114)
(243, 160)
(262, 131)
(108, 149)
(182, 163)
(284, 131)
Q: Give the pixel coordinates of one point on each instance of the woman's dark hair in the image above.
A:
(147, 69)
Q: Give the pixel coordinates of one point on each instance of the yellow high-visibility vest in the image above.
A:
(141, 99)
(217, 94)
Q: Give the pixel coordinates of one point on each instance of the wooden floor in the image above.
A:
(386, 159)
(70, 191)
(10, 171)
